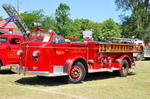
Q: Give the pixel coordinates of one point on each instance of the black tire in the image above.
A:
(124, 68)
(77, 73)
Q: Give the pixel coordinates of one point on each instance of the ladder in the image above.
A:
(11, 11)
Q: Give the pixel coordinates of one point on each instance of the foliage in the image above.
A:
(74, 28)
(109, 29)
(48, 22)
(33, 16)
(140, 12)
(129, 27)
(63, 25)
(62, 18)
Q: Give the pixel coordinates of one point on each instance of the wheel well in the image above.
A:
(83, 62)
(128, 61)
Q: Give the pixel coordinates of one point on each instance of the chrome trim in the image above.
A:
(102, 70)
(40, 73)
(57, 74)
(82, 47)
(58, 69)
(26, 54)
(91, 61)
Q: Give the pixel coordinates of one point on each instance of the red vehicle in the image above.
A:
(9, 44)
(50, 55)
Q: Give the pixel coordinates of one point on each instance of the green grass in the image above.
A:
(95, 86)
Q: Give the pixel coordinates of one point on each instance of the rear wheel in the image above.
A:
(77, 73)
(124, 68)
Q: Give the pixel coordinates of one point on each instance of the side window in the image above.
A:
(15, 41)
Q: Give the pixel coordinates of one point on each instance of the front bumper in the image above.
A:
(23, 71)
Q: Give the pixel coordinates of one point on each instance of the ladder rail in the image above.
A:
(11, 11)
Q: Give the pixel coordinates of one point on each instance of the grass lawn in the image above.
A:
(95, 86)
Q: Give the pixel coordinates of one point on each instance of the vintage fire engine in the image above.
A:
(9, 44)
(47, 54)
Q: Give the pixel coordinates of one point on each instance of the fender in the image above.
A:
(119, 60)
(70, 62)
(3, 59)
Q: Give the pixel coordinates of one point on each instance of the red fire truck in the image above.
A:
(9, 44)
(50, 55)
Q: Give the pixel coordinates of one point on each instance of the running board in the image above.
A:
(102, 70)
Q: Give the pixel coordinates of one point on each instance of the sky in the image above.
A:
(94, 10)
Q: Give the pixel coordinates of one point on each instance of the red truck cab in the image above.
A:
(9, 44)
(47, 54)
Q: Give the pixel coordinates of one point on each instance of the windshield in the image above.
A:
(3, 39)
(43, 36)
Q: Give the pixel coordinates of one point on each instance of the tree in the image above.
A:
(140, 11)
(85, 24)
(109, 29)
(48, 22)
(129, 27)
(62, 18)
(33, 16)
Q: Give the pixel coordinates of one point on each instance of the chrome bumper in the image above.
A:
(40, 73)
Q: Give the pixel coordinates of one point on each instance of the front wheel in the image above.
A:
(124, 68)
(77, 73)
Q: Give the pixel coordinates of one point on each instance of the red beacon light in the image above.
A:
(36, 25)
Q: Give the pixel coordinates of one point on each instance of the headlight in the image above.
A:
(35, 53)
(19, 52)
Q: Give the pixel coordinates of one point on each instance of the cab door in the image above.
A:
(59, 54)
(13, 46)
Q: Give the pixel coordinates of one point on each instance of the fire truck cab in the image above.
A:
(47, 54)
(9, 44)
